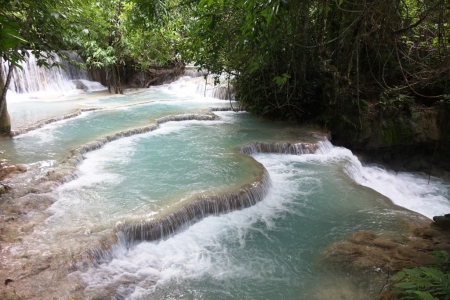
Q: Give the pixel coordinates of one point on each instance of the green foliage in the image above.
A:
(445, 99)
(155, 30)
(290, 59)
(425, 283)
(39, 26)
(315, 56)
(280, 80)
(395, 98)
(103, 41)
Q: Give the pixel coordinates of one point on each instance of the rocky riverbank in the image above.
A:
(383, 254)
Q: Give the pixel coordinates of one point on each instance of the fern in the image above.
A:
(425, 296)
(425, 283)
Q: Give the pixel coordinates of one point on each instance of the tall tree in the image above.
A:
(302, 59)
(103, 43)
(41, 28)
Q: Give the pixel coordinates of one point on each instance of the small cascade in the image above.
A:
(413, 191)
(227, 109)
(196, 210)
(31, 78)
(194, 73)
(281, 148)
(77, 156)
(207, 88)
(186, 117)
(199, 86)
(221, 91)
(89, 86)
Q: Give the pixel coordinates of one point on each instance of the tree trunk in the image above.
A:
(5, 120)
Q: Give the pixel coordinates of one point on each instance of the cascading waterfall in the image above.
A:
(31, 78)
(235, 109)
(206, 88)
(195, 211)
(281, 148)
(218, 204)
(139, 210)
(414, 191)
(191, 72)
(219, 91)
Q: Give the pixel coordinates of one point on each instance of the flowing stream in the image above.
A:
(205, 204)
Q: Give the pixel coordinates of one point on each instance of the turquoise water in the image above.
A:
(269, 251)
(55, 140)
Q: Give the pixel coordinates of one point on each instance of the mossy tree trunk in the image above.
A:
(5, 120)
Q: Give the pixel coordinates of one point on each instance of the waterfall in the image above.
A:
(197, 210)
(281, 148)
(219, 91)
(413, 191)
(207, 87)
(192, 72)
(235, 109)
(31, 78)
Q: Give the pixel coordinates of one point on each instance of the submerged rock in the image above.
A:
(387, 254)
(368, 251)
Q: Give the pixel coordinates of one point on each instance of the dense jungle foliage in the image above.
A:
(332, 61)
(301, 59)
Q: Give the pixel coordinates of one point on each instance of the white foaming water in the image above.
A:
(91, 173)
(268, 248)
(198, 86)
(37, 93)
(262, 252)
(90, 86)
(33, 80)
(413, 191)
(96, 171)
(204, 249)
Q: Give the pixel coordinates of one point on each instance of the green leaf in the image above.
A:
(412, 272)
(406, 285)
(425, 295)
(398, 276)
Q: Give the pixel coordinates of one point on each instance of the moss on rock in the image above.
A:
(396, 133)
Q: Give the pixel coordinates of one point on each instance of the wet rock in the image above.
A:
(387, 296)
(366, 250)
(370, 252)
(4, 188)
(6, 169)
(8, 234)
(442, 221)
(341, 292)
(384, 243)
(9, 295)
(363, 237)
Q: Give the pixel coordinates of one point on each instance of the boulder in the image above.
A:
(442, 221)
